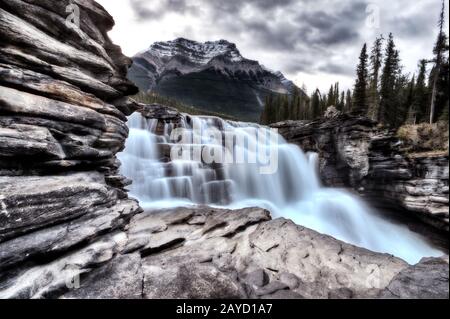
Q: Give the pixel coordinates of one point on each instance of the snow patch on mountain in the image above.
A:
(196, 52)
(212, 75)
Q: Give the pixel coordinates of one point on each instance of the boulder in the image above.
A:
(426, 280)
(63, 113)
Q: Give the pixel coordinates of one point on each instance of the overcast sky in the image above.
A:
(315, 42)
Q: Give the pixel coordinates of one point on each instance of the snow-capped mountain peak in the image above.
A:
(212, 75)
(196, 52)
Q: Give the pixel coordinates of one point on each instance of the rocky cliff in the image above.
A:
(63, 111)
(67, 227)
(212, 76)
(356, 153)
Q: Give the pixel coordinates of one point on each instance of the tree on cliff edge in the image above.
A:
(348, 102)
(376, 57)
(315, 105)
(439, 50)
(420, 99)
(360, 94)
(389, 77)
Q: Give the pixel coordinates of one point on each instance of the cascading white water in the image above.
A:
(293, 191)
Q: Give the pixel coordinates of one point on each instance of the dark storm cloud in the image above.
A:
(340, 69)
(236, 6)
(306, 29)
(310, 27)
(418, 25)
(145, 9)
(304, 34)
(337, 35)
(156, 9)
(299, 63)
(279, 37)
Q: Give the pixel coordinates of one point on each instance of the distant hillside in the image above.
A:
(150, 98)
(213, 76)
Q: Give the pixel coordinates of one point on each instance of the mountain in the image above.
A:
(212, 76)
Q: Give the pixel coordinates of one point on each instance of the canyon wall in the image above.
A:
(355, 153)
(67, 226)
(63, 112)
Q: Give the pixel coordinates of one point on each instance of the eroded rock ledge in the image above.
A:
(63, 112)
(211, 253)
(355, 153)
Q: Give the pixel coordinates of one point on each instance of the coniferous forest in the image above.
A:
(382, 90)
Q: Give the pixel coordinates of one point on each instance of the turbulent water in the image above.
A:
(291, 190)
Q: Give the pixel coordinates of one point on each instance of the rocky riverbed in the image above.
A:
(210, 253)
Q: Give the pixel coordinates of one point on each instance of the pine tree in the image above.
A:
(315, 105)
(348, 102)
(264, 115)
(376, 57)
(389, 76)
(360, 93)
(267, 117)
(400, 93)
(420, 99)
(323, 103)
(439, 50)
(295, 106)
(411, 117)
(341, 104)
(336, 94)
(331, 99)
(442, 100)
(284, 109)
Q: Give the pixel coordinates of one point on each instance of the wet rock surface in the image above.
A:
(248, 255)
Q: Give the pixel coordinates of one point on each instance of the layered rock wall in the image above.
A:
(341, 142)
(416, 184)
(354, 152)
(63, 112)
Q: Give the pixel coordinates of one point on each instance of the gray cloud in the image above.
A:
(145, 9)
(308, 36)
(340, 69)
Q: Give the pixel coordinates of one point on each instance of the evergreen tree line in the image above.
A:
(382, 90)
(281, 107)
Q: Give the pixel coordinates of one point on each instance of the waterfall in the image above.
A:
(292, 190)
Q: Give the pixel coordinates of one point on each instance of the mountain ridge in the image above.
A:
(212, 75)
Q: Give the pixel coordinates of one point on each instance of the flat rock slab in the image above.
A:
(203, 252)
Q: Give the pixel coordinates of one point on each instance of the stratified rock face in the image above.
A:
(210, 253)
(63, 111)
(416, 183)
(355, 153)
(212, 76)
(342, 143)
